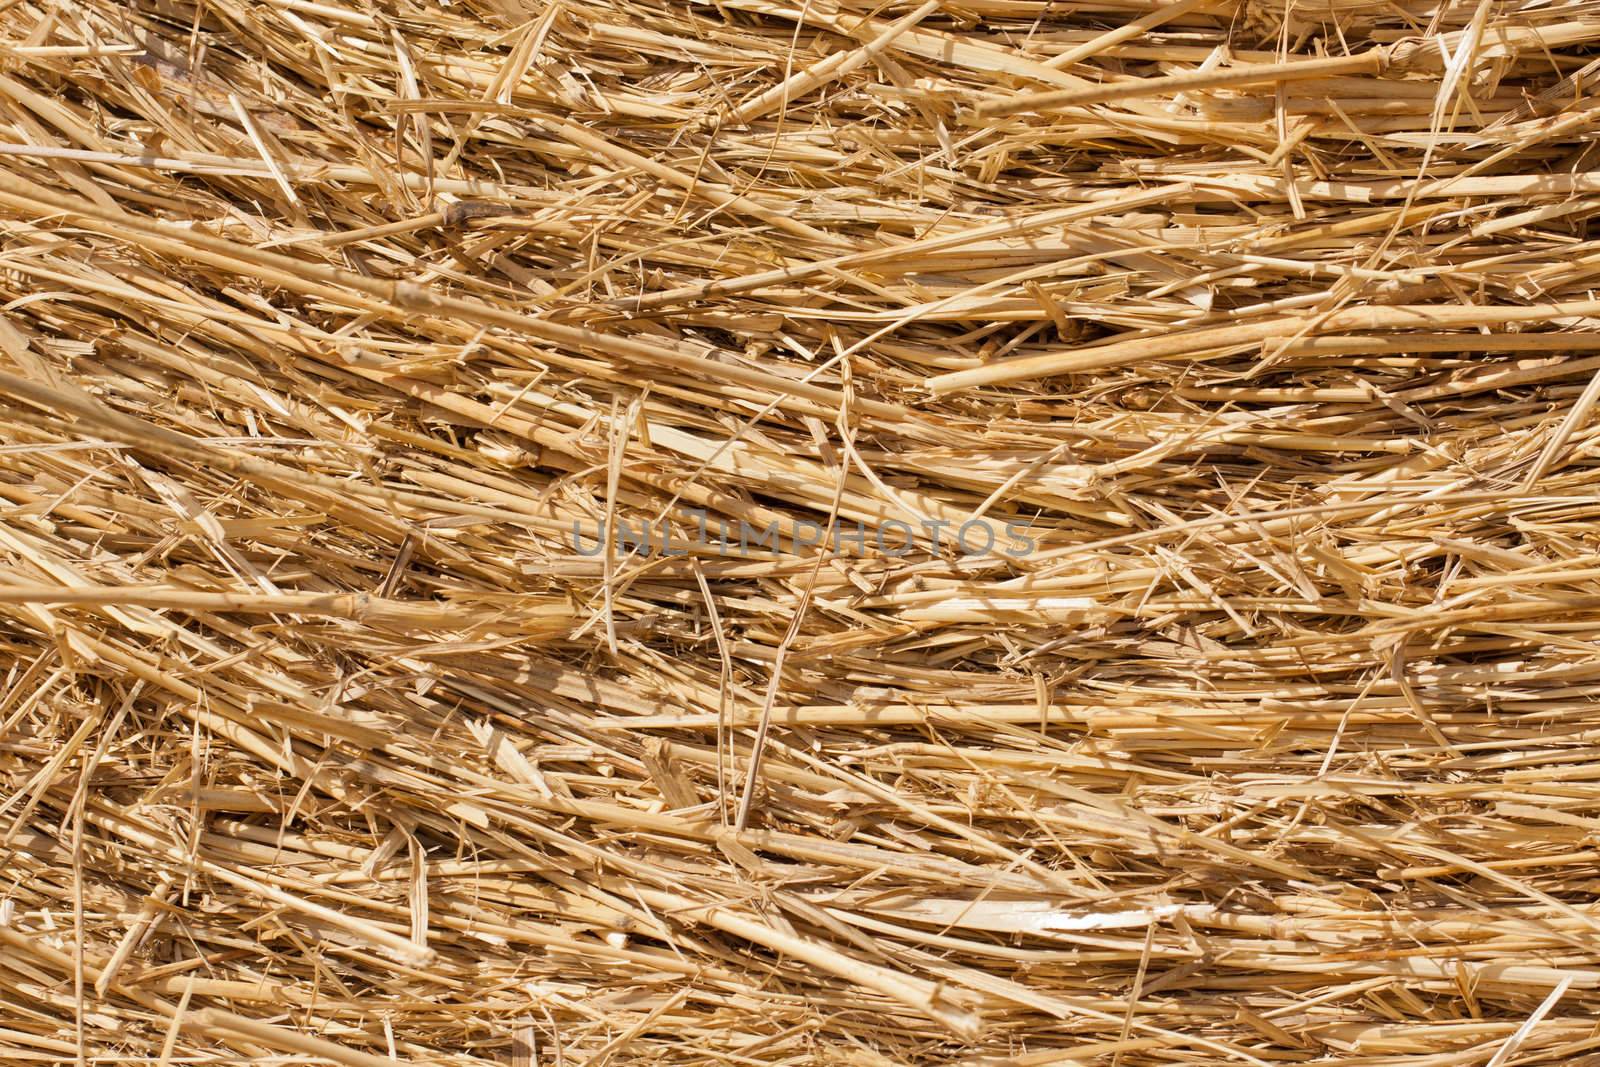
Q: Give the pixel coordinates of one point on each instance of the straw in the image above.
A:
(769, 533)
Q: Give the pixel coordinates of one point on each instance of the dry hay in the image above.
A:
(321, 741)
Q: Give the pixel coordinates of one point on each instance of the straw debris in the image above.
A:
(994, 534)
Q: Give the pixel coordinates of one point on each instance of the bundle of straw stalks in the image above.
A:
(447, 451)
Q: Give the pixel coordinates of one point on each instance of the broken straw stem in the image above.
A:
(1374, 61)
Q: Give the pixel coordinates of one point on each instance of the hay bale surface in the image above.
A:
(1120, 479)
